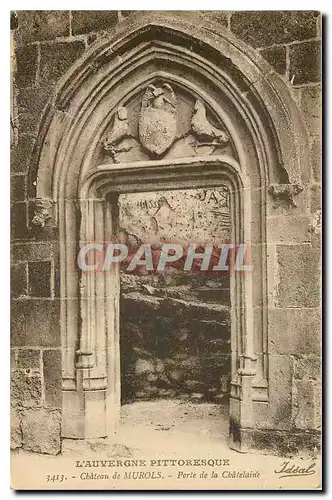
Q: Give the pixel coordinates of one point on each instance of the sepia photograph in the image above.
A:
(166, 267)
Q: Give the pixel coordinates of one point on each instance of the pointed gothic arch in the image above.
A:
(74, 190)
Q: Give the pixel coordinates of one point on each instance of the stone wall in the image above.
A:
(45, 45)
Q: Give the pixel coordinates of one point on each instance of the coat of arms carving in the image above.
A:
(157, 120)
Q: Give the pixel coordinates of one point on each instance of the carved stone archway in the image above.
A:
(76, 188)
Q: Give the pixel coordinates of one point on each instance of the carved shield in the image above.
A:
(157, 120)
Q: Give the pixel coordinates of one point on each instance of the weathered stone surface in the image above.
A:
(311, 106)
(41, 431)
(57, 58)
(299, 276)
(18, 220)
(294, 331)
(20, 154)
(36, 25)
(288, 229)
(39, 279)
(17, 188)
(31, 105)
(217, 16)
(316, 198)
(276, 56)
(307, 368)
(35, 323)
(52, 378)
(13, 360)
(26, 65)
(135, 304)
(29, 360)
(306, 404)
(305, 63)
(197, 350)
(26, 390)
(261, 29)
(316, 160)
(280, 390)
(143, 366)
(84, 21)
(287, 444)
(31, 251)
(18, 280)
(176, 215)
(15, 430)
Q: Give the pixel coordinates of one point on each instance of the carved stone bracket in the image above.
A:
(43, 213)
(284, 193)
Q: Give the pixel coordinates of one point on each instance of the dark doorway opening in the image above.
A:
(175, 340)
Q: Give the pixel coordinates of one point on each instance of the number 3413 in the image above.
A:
(55, 478)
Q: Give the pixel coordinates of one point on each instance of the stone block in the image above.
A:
(52, 378)
(17, 188)
(311, 107)
(276, 56)
(28, 360)
(294, 331)
(39, 274)
(305, 62)
(41, 430)
(35, 323)
(307, 368)
(18, 220)
(306, 404)
(15, 430)
(299, 276)
(26, 390)
(93, 20)
(288, 229)
(261, 29)
(57, 58)
(280, 390)
(34, 25)
(31, 251)
(18, 280)
(20, 154)
(26, 65)
(31, 105)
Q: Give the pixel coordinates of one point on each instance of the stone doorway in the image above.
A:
(259, 151)
(175, 340)
(175, 325)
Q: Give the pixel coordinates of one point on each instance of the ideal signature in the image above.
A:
(289, 469)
